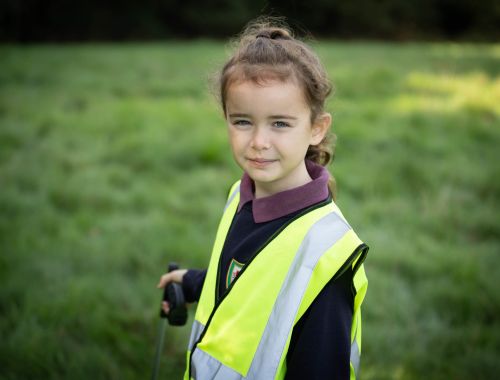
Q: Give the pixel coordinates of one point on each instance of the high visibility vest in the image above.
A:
(246, 333)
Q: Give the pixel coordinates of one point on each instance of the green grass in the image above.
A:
(114, 161)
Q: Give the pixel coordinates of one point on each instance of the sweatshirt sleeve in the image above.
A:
(192, 283)
(320, 344)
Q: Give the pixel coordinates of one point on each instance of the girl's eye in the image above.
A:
(280, 124)
(241, 123)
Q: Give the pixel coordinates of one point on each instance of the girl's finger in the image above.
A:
(165, 306)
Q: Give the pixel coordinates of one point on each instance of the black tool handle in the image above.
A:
(174, 295)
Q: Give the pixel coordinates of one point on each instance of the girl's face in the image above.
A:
(269, 131)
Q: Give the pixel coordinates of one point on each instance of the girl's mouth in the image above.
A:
(260, 162)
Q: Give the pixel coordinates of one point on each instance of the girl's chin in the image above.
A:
(259, 176)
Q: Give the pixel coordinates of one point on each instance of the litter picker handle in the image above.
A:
(174, 295)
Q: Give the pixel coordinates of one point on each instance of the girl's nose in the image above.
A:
(260, 139)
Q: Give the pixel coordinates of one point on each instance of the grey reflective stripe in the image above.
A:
(231, 197)
(205, 367)
(355, 357)
(322, 236)
(196, 331)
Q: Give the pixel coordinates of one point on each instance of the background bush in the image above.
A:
(59, 20)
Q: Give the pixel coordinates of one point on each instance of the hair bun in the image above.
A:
(274, 34)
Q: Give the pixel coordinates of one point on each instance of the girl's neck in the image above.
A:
(300, 177)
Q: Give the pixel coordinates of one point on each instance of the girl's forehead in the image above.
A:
(286, 89)
(247, 85)
(266, 96)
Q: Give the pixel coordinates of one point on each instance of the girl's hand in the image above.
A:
(167, 278)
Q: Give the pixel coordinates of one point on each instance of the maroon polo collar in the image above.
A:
(288, 201)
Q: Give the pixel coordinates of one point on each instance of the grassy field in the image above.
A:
(114, 161)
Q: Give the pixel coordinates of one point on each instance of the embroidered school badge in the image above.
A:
(233, 271)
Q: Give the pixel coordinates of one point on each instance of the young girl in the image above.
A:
(281, 296)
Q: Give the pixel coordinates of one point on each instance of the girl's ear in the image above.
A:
(320, 128)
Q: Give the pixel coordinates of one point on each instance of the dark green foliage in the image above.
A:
(114, 161)
(57, 20)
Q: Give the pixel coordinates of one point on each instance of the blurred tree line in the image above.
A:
(64, 20)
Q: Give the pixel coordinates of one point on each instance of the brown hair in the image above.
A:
(267, 50)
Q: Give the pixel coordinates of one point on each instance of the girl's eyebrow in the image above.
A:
(283, 117)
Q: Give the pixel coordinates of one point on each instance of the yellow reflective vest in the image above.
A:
(231, 339)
